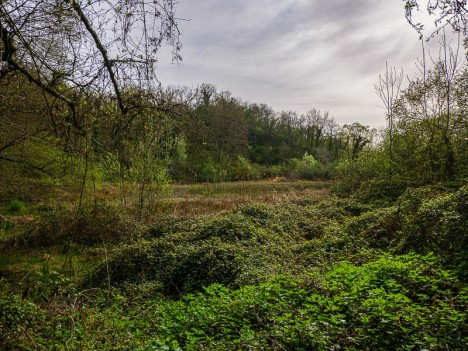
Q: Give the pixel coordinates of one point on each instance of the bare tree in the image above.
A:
(388, 91)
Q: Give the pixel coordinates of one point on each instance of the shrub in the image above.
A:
(94, 224)
(374, 229)
(18, 321)
(17, 205)
(352, 173)
(172, 225)
(180, 267)
(435, 221)
(210, 171)
(308, 168)
(242, 169)
(235, 250)
(382, 191)
(392, 303)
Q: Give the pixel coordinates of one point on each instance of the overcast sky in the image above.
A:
(295, 54)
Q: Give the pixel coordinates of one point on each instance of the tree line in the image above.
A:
(196, 134)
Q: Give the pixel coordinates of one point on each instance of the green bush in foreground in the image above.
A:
(394, 303)
(397, 303)
(258, 242)
(300, 275)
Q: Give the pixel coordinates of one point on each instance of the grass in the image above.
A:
(186, 200)
(212, 198)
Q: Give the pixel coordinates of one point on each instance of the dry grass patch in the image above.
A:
(211, 198)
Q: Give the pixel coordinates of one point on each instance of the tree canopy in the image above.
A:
(103, 46)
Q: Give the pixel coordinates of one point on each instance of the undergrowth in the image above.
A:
(384, 273)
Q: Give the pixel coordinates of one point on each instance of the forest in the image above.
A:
(140, 216)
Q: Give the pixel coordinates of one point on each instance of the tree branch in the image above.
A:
(102, 50)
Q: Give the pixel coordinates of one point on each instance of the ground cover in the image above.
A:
(312, 272)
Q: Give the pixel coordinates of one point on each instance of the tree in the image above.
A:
(149, 148)
(76, 47)
(388, 90)
(453, 13)
(30, 129)
(355, 137)
(315, 127)
(91, 62)
(223, 120)
(431, 124)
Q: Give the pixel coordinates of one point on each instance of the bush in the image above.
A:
(351, 174)
(17, 205)
(433, 220)
(93, 225)
(239, 249)
(18, 321)
(308, 168)
(242, 169)
(210, 171)
(382, 191)
(375, 229)
(392, 303)
(300, 275)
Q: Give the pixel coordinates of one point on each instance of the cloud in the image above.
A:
(295, 54)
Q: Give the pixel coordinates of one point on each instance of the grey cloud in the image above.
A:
(295, 54)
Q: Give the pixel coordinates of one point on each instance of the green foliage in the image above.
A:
(395, 302)
(383, 270)
(382, 191)
(233, 251)
(352, 174)
(93, 224)
(308, 168)
(251, 245)
(258, 242)
(244, 170)
(109, 167)
(17, 205)
(426, 142)
(144, 157)
(299, 275)
(376, 229)
(210, 171)
(392, 303)
(44, 284)
(19, 320)
(436, 221)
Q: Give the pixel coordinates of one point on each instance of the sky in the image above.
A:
(295, 54)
